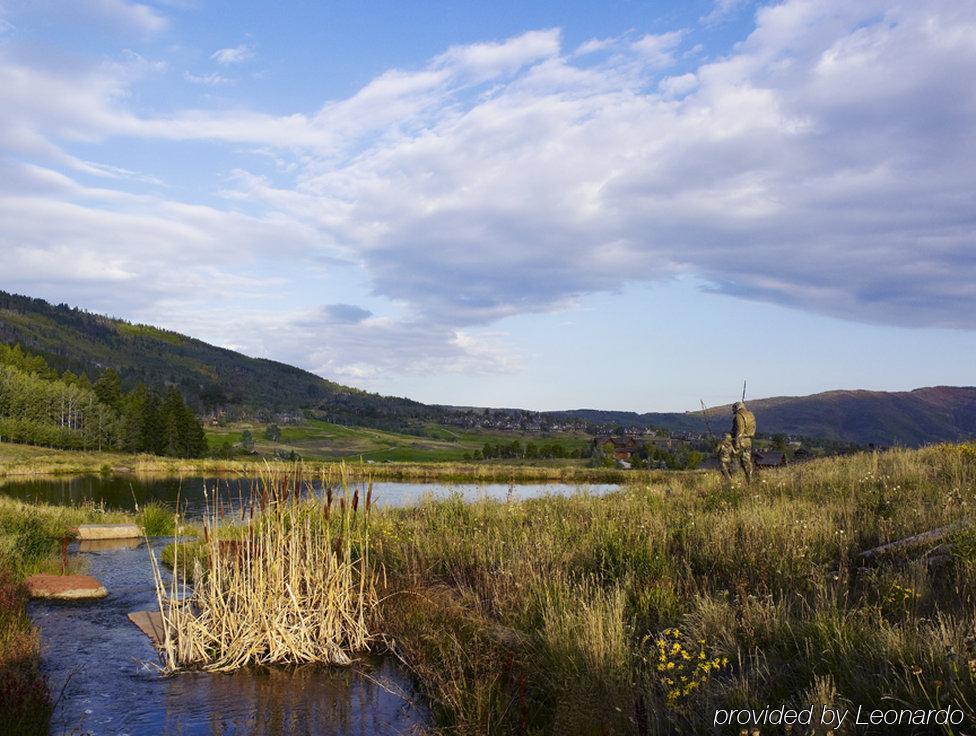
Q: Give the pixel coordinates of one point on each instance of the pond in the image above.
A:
(101, 668)
(104, 669)
(126, 492)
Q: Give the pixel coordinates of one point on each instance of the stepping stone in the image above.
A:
(150, 623)
(106, 545)
(65, 587)
(109, 531)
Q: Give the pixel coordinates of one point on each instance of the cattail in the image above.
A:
(355, 500)
(245, 587)
(369, 496)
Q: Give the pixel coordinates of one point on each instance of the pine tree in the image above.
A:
(153, 430)
(108, 388)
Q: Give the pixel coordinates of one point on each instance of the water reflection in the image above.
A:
(125, 492)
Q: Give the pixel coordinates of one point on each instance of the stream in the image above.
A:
(101, 669)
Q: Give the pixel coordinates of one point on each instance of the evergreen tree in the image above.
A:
(247, 440)
(153, 429)
(108, 388)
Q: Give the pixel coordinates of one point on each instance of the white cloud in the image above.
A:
(722, 10)
(658, 49)
(208, 80)
(485, 60)
(678, 85)
(825, 163)
(235, 55)
(594, 45)
(121, 15)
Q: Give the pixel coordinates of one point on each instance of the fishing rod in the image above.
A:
(708, 426)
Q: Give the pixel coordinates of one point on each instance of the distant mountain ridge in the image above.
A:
(909, 418)
(213, 377)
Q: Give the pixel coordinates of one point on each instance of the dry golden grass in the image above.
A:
(764, 580)
(287, 583)
(26, 461)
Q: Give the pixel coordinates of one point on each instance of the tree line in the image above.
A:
(68, 411)
(516, 450)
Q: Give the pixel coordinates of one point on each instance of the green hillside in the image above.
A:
(217, 380)
(319, 440)
(209, 377)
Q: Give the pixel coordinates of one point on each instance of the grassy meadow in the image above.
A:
(24, 461)
(645, 610)
(318, 440)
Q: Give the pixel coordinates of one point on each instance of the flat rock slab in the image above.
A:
(150, 623)
(109, 531)
(65, 587)
(107, 545)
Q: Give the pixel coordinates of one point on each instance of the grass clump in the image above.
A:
(25, 705)
(157, 520)
(284, 580)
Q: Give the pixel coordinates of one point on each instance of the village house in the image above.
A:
(768, 459)
(622, 448)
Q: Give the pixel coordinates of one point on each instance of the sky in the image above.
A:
(548, 205)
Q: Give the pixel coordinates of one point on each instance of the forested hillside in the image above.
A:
(209, 377)
(40, 407)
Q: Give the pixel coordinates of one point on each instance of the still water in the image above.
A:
(126, 492)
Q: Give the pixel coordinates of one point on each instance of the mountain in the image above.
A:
(910, 418)
(211, 377)
(74, 340)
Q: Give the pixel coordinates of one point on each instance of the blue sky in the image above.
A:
(627, 205)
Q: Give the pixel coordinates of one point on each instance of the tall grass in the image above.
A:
(288, 582)
(764, 584)
(157, 520)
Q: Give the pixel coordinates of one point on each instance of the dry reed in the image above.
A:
(287, 581)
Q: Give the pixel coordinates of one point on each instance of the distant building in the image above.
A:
(622, 448)
(801, 454)
(664, 443)
(769, 459)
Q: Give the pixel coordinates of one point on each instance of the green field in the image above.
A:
(318, 440)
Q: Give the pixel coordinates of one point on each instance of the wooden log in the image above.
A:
(917, 540)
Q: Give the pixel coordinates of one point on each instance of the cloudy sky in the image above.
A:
(615, 204)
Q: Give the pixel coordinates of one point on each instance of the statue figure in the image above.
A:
(725, 451)
(743, 430)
